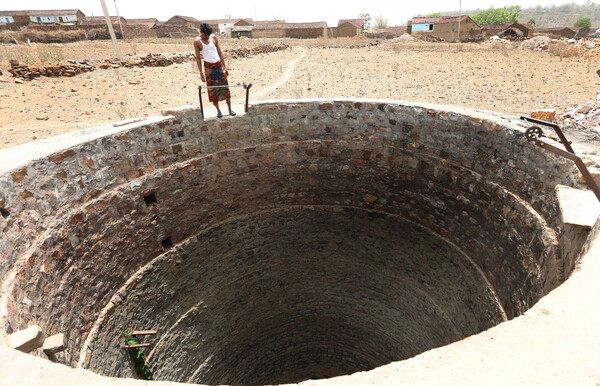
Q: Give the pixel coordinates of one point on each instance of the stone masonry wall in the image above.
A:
(75, 226)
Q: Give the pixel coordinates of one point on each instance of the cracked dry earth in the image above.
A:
(504, 79)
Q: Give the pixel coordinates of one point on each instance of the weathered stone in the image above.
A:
(578, 207)
(61, 157)
(54, 344)
(26, 340)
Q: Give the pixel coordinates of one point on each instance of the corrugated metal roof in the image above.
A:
(54, 12)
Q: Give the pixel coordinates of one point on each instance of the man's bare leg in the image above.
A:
(219, 114)
(231, 112)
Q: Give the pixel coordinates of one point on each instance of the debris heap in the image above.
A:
(583, 116)
(76, 67)
(47, 69)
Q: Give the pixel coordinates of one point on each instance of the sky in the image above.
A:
(394, 11)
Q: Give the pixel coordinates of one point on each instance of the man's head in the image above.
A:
(205, 28)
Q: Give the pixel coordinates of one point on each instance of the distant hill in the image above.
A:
(553, 15)
(562, 15)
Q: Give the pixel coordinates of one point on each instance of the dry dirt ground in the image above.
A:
(490, 77)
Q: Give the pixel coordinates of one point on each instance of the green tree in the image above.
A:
(437, 14)
(583, 22)
(367, 18)
(506, 15)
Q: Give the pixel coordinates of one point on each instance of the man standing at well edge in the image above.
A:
(209, 54)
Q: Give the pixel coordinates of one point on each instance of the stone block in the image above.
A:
(578, 207)
(26, 340)
(546, 115)
(54, 344)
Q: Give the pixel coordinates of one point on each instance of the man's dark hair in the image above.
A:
(206, 28)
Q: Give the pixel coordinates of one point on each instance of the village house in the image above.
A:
(242, 28)
(557, 32)
(151, 22)
(268, 29)
(519, 30)
(386, 33)
(445, 27)
(100, 20)
(183, 21)
(177, 27)
(349, 28)
(23, 18)
(306, 30)
(226, 26)
(508, 31)
(493, 29)
(290, 30)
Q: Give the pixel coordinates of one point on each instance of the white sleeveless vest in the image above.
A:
(209, 51)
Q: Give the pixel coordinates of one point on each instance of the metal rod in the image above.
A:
(200, 97)
(557, 130)
(539, 121)
(244, 85)
(247, 87)
(589, 180)
(227, 85)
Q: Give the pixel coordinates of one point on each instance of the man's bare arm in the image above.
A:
(221, 56)
(198, 52)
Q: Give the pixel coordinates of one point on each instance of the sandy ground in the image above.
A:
(500, 78)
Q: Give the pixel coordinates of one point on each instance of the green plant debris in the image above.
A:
(139, 359)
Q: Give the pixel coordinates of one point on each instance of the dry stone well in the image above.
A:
(301, 240)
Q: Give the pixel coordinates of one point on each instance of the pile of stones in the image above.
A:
(263, 49)
(545, 43)
(365, 45)
(76, 67)
(47, 69)
(586, 115)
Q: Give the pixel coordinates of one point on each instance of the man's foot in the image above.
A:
(232, 113)
(219, 115)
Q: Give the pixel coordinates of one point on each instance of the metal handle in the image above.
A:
(244, 85)
(534, 134)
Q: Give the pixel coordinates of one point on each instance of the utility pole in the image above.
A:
(119, 18)
(111, 30)
(459, 17)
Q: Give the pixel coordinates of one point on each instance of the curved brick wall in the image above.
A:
(310, 239)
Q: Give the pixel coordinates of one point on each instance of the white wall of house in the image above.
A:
(53, 18)
(225, 26)
(422, 27)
